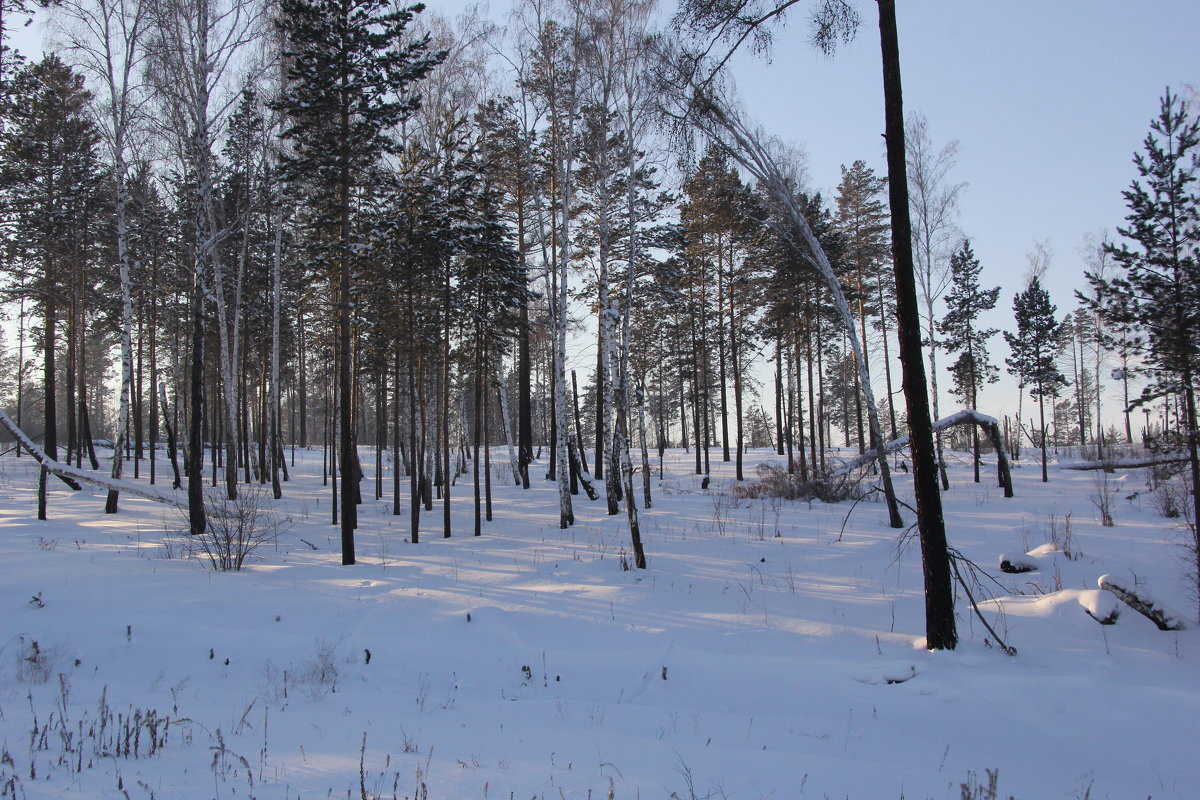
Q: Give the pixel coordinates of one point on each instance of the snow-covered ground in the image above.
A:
(773, 649)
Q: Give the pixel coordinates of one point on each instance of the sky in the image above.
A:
(1047, 101)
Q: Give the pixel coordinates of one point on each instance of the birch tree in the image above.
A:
(933, 204)
(554, 81)
(106, 39)
(196, 46)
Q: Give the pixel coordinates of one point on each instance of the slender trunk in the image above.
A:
(578, 428)
(1193, 442)
(20, 355)
(779, 445)
(641, 400)
(345, 387)
(138, 388)
(799, 406)
(939, 597)
(505, 424)
(524, 365)
(735, 365)
(722, 352)
(887, 363)
(397, 433)
(813, 416)
(50, 395)
(603, 385)
(863, 374)
(196, 420)
(478, 435)
(154, 376)
(380, 427)
(974, 388)
(110, 506)
(487, 446)
(276, 411)
(560, 298)
(416, 448)
(1042, 419)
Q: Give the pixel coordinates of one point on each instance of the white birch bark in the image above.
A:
(502, 387)
(933, 201)
(566, 514)
(195, 45)
(106, 37)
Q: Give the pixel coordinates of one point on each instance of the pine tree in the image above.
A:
(51, 176)
(348, 87)
(863, 219)
(965, 302)
(1035, 347)
(1158, 296)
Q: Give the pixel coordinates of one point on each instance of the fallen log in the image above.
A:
(1146, 604)
(1109, 464)
(73, 476)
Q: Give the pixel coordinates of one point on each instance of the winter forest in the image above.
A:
(402, 404)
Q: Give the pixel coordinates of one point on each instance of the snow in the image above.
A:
(757, 657)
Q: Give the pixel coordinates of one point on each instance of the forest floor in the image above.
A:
(772, 649)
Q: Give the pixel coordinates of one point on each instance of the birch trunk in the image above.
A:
(502, 390)
(276, 308)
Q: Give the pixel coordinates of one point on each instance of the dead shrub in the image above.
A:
(775, 481)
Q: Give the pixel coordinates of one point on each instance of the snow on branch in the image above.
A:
(967, 416)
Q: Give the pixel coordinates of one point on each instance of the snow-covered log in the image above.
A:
(1126, 463)
(967, 416)
(1101, 605)
(1146, 604)
(1016, 564)
(73, 476)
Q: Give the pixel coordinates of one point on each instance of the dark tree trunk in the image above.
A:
(50, 439)
(446, 481)
(799, 406)
(345, 360)
(171, 443)
(524, 399)
(601, 380)
(396, 435)
(302, 357)
(779, 443)
(939, 595)
(195, 453)
(1042, 419)
(579, 431)
(478, 431)
(153, 432)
